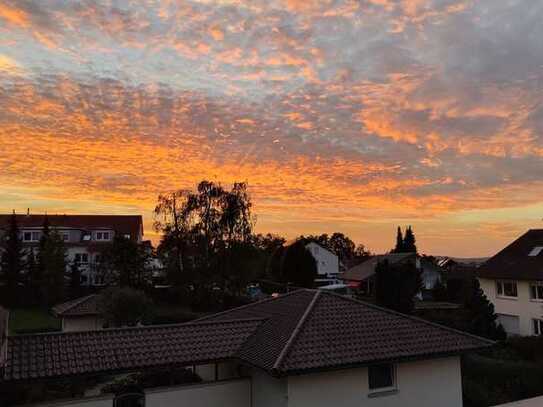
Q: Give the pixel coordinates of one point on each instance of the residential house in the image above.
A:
(304, 348)
(362, 276)
(327, 261)
(80, 314)
(85, 236)
(513, 281)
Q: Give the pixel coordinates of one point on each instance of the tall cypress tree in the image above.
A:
(399, 242)
(409, 241)
(12, 259)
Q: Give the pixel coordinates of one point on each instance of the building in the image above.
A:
(85, 236)
(513, 281)
(362, 276)
(304, 348)
(327, 261)
(80, 314)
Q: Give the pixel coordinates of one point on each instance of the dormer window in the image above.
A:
(102, 236)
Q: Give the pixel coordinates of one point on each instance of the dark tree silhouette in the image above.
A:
(396, 286)
(409, 241)
(482, 318)
(52, 268)
(399, 241)
(12, 259)
(298, 266)
(126, 263)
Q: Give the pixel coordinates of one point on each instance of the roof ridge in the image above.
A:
(265, 300)
(412, 317)
(140, 328)
(297, 329)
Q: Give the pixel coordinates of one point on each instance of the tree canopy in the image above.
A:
(12, 259)
(396, 285)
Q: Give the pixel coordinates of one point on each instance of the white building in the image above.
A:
(513, 281)
(84, 236)
(327, 261)
(305, 348)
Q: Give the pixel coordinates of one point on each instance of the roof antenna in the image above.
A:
(27, 211)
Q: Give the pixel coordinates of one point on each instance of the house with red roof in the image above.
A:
(84, 236)
(305, 348)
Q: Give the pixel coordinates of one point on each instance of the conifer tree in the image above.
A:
(409, 241)
(399, 242)
(12, 259)
(482, 317)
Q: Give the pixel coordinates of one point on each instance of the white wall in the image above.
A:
(523, 307)
(268, 391)
(428, 383)
(233, 393)
(327, 262)
(81, 323)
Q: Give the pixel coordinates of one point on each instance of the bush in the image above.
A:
(150, 379)
(488, 381)
(125, 306)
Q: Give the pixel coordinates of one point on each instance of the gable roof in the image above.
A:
(366, 269)
(125, 224)
(515, 262)
(299, 332)
(311, 330)
(87, 305)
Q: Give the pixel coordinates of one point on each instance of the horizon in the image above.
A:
(342, 116)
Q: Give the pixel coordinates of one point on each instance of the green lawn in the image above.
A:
(31, 320)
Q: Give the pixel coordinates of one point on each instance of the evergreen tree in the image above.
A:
(396, 286)
(482, 318)
(409, 241)
(399, 242)
(52, 265)
(12, 259)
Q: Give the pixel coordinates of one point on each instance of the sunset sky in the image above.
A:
(353, 116)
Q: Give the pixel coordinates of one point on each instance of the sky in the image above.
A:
(352, 116)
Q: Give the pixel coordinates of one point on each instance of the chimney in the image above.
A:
(27, 211)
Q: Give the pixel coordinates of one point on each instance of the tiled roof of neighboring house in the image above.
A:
(116, 350)
(87, 305)
(516, 261)
(299, 332)
(315, 330)
(366, 269)
(125, 224)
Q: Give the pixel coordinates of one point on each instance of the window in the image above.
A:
(127, 235)
(102, 235)
(81, 258)
(506, 289)
(538, 327)
(135, 399)
(536, 291)
(381, 377)
(31, 236)
(65, 236)
(536, 251)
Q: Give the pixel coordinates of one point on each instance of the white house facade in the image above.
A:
(327, 261)
(513, 281)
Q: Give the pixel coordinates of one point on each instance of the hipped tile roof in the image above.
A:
(300, 332)
(125, 349)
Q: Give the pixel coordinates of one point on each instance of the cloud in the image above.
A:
(336, 112)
